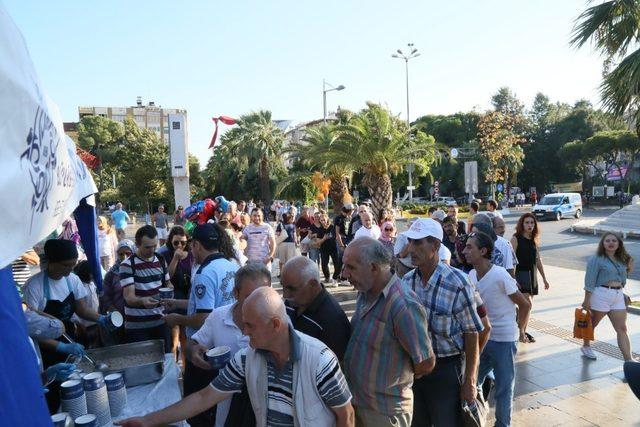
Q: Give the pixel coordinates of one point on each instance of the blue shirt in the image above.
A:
(602, 270)
(212, 287)
(120, 218)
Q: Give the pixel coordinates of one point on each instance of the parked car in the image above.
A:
(443, 200)
(558, 205)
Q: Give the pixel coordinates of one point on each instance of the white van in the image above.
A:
(559, 205)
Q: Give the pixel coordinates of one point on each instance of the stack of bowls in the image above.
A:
(73, 398)
(61, 419)
(117, 393)
(88, 420)
(97, 397)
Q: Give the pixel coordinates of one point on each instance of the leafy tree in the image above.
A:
(499, 146)
(103, 138)
(144, 161)
(379, 148)
(196, 181)
(317, 150)
(613, 27)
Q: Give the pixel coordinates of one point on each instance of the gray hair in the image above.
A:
(482, 219)
(305, 268)
(253, 271)
(372, 251)
(496, 220)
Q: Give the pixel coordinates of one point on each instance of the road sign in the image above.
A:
(411, 187)
(436, 190)
(454, 152)
(471, 177)
(500, 187)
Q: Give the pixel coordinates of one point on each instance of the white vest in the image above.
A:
(308, 407)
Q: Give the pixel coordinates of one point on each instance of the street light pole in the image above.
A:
(413, 52)
(324, 97)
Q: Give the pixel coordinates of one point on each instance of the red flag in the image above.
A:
(224, 119)
(89, 159)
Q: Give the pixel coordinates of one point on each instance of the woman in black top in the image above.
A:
(525, 243)
(324, 235)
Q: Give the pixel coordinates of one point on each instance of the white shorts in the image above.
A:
(162, 233)
(605, 299)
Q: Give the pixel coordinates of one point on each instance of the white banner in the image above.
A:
(42, 180)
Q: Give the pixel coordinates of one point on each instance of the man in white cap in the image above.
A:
(402, 264)
(450, 302)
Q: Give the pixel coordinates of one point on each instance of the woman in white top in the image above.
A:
(107, 243)
(223, 326)
(500, 294)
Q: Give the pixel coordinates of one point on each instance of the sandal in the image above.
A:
(529, 337)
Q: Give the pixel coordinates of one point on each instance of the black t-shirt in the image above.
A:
(320, 232)
(303, 222)
(342, 222)
(325, 320)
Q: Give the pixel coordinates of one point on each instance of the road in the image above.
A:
(562, 248)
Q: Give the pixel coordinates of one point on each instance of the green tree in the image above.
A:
(379, 148)
(613, 27)
(103, 138)
(196, 180)
(499, 146)
(318, 149)
(144, 161)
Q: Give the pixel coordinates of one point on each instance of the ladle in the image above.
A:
(99, 366)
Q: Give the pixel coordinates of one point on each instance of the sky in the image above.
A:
(229, 58)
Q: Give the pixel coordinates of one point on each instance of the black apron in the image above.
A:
(61, 310)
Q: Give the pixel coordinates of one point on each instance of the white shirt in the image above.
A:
(495, 288)
(374, 232)
(220, 329)
(92, 301)
(444, 253)
(503, 254)
(58, 291)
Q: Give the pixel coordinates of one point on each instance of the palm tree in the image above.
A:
(260, 140)
(318, 148)
(614, 28)
(375, 143)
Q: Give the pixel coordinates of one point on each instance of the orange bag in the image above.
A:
(582, 327)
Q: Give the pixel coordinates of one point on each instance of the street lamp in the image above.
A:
(413, 53)
(324, 97)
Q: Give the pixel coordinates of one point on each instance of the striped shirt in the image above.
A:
(148, 280)
(330, 382)
(388, 337)
(257, 237)
(451, 305)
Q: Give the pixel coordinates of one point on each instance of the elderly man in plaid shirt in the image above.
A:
(454, 324)
(389, 344)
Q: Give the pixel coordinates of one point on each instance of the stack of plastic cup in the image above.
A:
(117, 393)
(61, 419)
(97, 397)
(73, 398)
(88, 420)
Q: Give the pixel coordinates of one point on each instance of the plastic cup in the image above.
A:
(88, 420)
(218, 356)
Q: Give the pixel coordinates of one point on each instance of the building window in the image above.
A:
(175, 125)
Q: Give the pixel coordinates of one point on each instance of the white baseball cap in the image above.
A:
(424, 227)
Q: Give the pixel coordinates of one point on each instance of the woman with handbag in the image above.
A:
(525, 243)
(604, 282)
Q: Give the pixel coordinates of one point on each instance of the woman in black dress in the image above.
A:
(525, 242)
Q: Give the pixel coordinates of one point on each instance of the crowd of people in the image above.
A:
(440, 310)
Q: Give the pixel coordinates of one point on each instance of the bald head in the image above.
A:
(498, 226)
(266, 303)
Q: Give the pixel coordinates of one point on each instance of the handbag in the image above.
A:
(475, 415)
(582, 326)
(282, 236)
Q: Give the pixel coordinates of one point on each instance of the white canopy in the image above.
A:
(42, 180)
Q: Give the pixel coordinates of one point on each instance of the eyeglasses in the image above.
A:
(180, 243)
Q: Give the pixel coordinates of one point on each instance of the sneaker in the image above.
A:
(330, 284)
(588, 352)
(345, 283)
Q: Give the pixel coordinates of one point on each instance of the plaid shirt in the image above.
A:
(388, 338)
(450, 303)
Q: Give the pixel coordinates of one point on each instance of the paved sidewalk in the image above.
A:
(554, 384)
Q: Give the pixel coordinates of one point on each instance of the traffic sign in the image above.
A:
(500, 187)
(411, 187)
